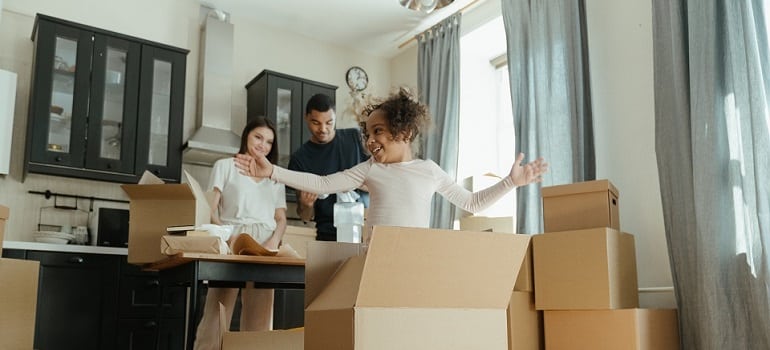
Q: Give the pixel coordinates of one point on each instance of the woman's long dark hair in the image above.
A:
(253, 124)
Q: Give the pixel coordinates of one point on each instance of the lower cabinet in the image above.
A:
(149, 316)
(94, 301)
(76, 304)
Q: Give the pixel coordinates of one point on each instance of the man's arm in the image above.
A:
(305, 202)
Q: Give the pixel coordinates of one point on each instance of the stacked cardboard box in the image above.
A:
(18, 297)
(413, 289)
(585, 275)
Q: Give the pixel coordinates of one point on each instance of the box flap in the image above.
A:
(342, 289)
(202, 208)
(579, 187)
(18, 302)
(5, 212)
(428, 268)
(323, 261)
(149, 178)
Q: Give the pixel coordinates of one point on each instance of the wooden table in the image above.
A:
(191, 269)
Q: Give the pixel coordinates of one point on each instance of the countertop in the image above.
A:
(67, 248)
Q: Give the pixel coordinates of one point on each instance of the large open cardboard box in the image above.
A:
(581, 205)
(585, 269)
(525, 324)
(414, 289)
(525, 281)
(292, 339)
(627, 329)
(154, 206)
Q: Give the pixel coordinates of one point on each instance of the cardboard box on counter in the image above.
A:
(154, 206)
(4, 214)
(628, 329)
(18, 302)
(585, 269)
(292, 339)
(581, 205)
(414, 289)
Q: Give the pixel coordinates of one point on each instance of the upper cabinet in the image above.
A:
(104, 106)
(282, 99)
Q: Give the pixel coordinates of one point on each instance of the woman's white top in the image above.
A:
(400, 194)
(244, 201)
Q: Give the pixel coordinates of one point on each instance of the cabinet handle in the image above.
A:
(156, 171)
(77, 260)
(153, 283)
(109, 165)
(150, 324)
(58, 158)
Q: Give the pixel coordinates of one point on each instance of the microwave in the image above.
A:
(112, 229)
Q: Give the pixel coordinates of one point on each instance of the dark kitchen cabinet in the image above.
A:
(93, 301)
(104, 106)
(76, 304)
(282, 99)
(149, 316)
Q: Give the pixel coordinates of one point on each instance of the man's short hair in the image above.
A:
(319, 102)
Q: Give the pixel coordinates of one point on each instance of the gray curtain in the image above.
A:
(551, 99)
(712, 131)
(438, 80)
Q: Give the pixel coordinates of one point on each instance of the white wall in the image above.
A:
(171, 22)
(620, 50)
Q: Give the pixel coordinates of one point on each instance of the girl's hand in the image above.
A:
(254, 167)
(528, 173)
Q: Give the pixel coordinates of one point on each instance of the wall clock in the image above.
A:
(357, 78)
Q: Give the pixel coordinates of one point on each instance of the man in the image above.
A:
(328, 151)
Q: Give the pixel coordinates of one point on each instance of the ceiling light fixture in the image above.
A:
(426, 6)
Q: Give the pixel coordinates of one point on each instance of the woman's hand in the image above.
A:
(254, 167)
(528, 173)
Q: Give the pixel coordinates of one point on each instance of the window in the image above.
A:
(486, 142)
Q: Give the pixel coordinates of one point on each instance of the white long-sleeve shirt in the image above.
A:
(400, 194)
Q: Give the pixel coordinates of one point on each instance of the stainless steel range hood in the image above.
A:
(214, 138)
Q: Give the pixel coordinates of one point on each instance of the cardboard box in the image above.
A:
(525, 324)
(154, 206)
(298, 237)
(524, 282)
(585, 269)
(632, 329)
(292, 339)
(503, 207)
(580, 205)
(415, 289)
(485, 223)
(18, 303)
(4, 214)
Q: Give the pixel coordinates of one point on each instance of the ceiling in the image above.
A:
(376, 27)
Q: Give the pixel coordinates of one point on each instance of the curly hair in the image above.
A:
(405, 115)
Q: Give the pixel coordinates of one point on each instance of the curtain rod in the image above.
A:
(48, 194)
(462, 10)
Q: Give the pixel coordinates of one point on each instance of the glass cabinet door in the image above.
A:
(60, 99)
(112, 117)
(161, 105)
(286, 111)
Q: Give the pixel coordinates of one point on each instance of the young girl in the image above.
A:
(257, 207)
(400, 186)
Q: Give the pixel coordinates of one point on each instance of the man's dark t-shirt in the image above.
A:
(343, 152)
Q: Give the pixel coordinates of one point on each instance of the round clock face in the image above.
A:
(357, 78)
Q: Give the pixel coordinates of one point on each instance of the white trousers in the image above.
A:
(256, 313)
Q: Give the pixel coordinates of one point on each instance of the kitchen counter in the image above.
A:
(70, 248)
